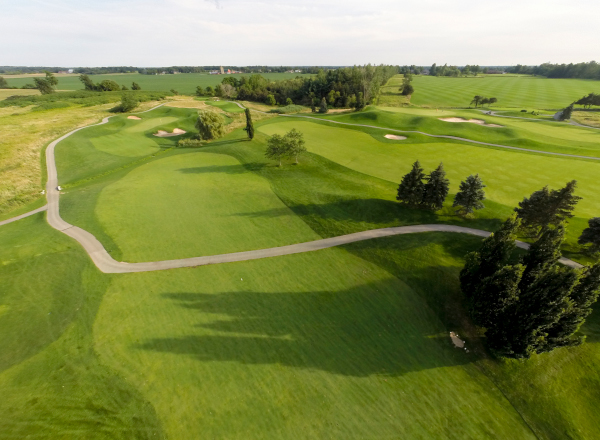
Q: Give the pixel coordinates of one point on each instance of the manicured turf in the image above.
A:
(527, 92)
(226, 106)
(184, 83)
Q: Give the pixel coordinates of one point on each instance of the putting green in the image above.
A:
(195, 204)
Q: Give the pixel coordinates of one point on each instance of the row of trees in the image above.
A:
(589, 70)
(482, 100)
(533, 305)
(417, 189)
(105, 86)
(345, 87)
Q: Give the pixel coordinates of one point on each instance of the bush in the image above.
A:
(210, 125)
(287, 109)
(190, 143)
(128, 103)
(523, 111)
(271, 100)
(109, 85)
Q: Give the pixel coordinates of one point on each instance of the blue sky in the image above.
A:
(306, 32)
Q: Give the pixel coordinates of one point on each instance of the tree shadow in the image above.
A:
(227, 169)
(379, 328)
(591, 328)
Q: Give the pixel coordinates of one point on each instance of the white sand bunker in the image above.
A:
(459, 343)
(133, 117)
(164, 134)
(472, 121)
(395, 137)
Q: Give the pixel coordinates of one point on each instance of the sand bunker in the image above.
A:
(133, 117)
(472, 121)
(164, 134)
(395, 137)
(459, 343)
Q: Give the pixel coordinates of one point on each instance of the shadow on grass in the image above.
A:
(379, 328)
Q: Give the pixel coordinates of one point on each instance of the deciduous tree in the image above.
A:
(276, 149)
(294, 143)
(135, 86)
(210, 125)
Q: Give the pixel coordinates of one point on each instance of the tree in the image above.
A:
(545, 207)
(109, 85)
(88, 84)
(227, 90)
(209, 91)
(360, 101)
(410, 190)
(476, 100)
(566, 113)
(174, 92)
(433, 70)
(436, 189)
(124, 87)
(407, 88)
(128, 103)
(493, 101)
(289, 101)
(484, 101)
(591, 236)
(323, 107)
(470, 195)
(199, 91)
(210, 125)
(46, 85)
(249, 124)
(294, 143)
(3, 83)
(271, 100)
(276, 149)
(135, 86)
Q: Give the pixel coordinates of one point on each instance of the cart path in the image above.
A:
(107, 264)
(27, 214)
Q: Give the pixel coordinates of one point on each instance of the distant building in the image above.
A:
(222, 71)
(70, 70)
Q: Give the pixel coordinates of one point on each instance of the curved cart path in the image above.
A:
(107, 264)
(27, 214)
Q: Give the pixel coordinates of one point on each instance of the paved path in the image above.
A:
(107, 264)
(571, 122)
(27, 214)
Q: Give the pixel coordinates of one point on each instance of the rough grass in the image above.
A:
(5, 93)
(587, 118)
(511, 91)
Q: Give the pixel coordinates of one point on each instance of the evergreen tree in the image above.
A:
(544, 208)
(410, 190)
(470, 195)
(591, 236)
(566, 113)
(323, 108)
(436, 189)
(249, 124)
(582, 298)
(542, 256)
(491, 257)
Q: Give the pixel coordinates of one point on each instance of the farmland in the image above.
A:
(349, 342)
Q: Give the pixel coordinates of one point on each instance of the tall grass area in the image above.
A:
(184, 83)
(527, 92)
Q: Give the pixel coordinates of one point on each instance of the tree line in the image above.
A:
(343, 88)
(534, 304)
(482, 100)
(584, 70)
(106, 85)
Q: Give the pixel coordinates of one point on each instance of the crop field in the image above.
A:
(525, 92)
(184, 83)
(349, 342)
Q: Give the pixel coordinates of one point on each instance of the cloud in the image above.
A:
(286, 32)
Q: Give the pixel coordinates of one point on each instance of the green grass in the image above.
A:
(184, 83)
(511, 91)
(344, 343)
(5, 93)
(229, 107)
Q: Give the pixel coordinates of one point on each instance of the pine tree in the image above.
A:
(470, 195)
(591, 236)
(436, 189)
(410, 190)
(542, 256)
(582, 298)
(563, 202)
(249, 124)
(323, 108)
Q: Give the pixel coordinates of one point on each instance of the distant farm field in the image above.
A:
(185, 83)
(527, 92)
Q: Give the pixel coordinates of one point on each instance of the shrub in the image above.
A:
(190, 143)
(287, 109)
(109, 85)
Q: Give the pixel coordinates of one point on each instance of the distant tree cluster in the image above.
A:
(536, 304)
(104, 86)
(454, 71)
(430, 191)
(589, 70)
(290, 145)
(352, 87)
(482, 100)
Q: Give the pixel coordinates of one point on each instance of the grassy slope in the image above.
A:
(226, 106)
(512, 91)
(5, 93)
(184, 83)
(51, 381)
(501, 171)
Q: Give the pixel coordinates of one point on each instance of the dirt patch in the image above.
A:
(471, 121)
(133, 117)
(164, 134)
(458, 343)
(395, 137)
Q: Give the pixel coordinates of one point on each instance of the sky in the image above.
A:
(147, 33)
